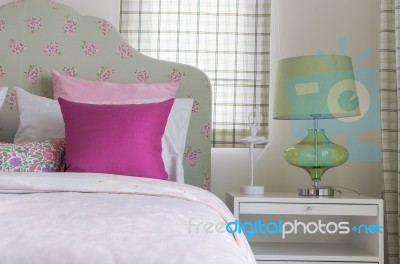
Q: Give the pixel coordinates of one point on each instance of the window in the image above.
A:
(228, 40)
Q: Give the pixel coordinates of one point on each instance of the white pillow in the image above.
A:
(41, 119)
(3, 94)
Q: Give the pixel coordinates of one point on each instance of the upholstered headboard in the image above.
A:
(37, 36)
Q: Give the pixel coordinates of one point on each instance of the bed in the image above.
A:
(104, 152)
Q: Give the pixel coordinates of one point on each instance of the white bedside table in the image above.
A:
(328, 224)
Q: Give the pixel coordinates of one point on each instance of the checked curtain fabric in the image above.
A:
(227, 39)
(390, 105)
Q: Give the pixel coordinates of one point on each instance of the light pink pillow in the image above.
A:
(115, 139)
(76, 89)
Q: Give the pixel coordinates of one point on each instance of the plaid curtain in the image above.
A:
(228, 40)
(390, 100)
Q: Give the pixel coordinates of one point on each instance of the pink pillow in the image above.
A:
(76, 89)
(115, 139)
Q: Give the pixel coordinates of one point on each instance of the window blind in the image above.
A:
(228, 40)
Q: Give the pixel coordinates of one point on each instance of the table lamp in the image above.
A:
(310, 88)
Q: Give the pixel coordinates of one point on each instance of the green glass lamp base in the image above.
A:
(316, 154)
(317, 191)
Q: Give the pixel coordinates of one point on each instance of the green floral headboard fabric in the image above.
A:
(37, 36)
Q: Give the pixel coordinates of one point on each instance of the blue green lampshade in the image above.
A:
(315, 87)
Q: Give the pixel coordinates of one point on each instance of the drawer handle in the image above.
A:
(309, 209)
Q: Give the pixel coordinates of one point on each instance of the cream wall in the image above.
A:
(107, 9)
(301, 27)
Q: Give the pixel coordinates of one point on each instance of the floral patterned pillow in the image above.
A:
(47, 156)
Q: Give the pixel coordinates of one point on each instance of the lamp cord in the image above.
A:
(337, 189)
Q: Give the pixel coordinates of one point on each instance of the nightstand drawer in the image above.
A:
(308, 209)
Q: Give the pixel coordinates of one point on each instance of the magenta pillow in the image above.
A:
(115, 139)
(75, 89)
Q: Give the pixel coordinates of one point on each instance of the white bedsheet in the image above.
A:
(98, 218)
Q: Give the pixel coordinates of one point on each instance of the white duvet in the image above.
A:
(98, 218)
